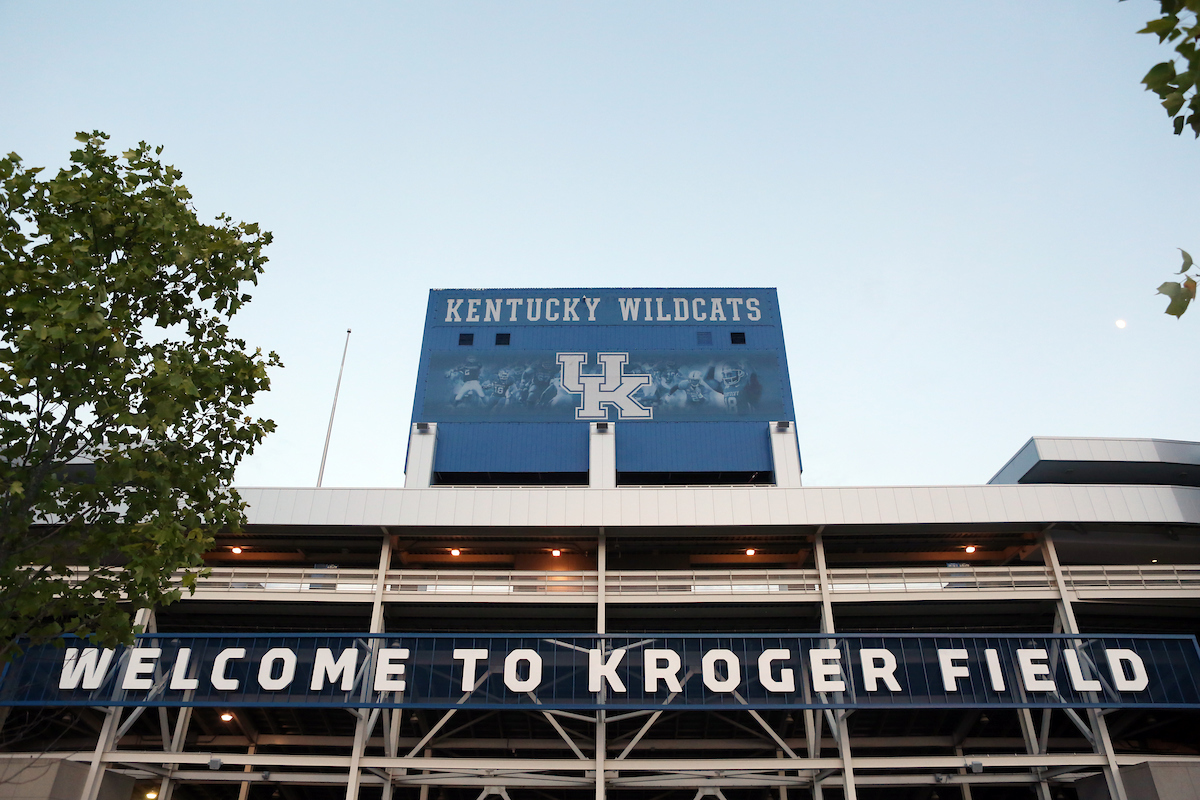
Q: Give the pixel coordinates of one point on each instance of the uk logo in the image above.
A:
(612, 388)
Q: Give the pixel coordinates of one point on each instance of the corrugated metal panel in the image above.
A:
(512, 447)
(693, 447)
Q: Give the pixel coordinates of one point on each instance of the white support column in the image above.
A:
(602, 455)
(182, 722)
(823, 577)
(965, 787)
(601, 580)
(1030, 735)
(367, 718)
(385, 563)
(143, 620)
(1103, 744)
(244, 790)
(601, 624)
(422, 447)
(362, 732)
(785, 453)
(424, 786)
(841, 731)
(104, 743)
(601, 746)
(391, 744)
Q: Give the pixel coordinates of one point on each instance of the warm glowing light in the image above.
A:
(226, 717)
(1154, 561)
(456, 552)
(751, 551)
(970, 548)
(556, 553)
(1120, 323)
(150, 795)
(236, 551)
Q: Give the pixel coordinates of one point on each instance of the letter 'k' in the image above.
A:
(611, 388)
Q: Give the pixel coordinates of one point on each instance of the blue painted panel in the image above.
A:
(512, 447)
(542, 323)
(610, 331)
(694, 447)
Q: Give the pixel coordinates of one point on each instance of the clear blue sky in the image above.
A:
(955, 200)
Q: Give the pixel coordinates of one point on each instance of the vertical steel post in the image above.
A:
(95, 776)
(182, 722)
(143, 619)
(244, 791)
(601, 628)
(385, 563)
(1103, 744)
(601, 746)
(601, 580)
(366, 718)
(842, 732)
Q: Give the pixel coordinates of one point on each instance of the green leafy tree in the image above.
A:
(1175, 82)
(123, 396)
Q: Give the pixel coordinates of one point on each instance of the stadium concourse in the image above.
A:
(604, 578)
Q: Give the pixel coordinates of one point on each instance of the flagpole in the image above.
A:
(332, 411)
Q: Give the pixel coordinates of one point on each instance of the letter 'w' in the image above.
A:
(76, 666)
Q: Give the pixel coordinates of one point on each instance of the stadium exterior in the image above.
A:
(602, 495)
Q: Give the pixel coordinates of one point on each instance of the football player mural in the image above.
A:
(527, 386)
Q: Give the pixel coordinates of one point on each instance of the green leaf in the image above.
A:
(1173, 102)
(1179, 299)
(1187, 261)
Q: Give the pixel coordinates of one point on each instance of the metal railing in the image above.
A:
(489, 583)
(712, 582)
(695, 584)
(397, 582)
(911, 580)
(874, 580)
(288, 579)
(1133, 576)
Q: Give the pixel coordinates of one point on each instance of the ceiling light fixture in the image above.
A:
(556, 553)
(750, 551)
(971, 548)
(456, 552)
(150, 795)
(226, 717)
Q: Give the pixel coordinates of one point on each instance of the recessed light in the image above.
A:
(1154, 561)
(970, 548)
(456, 552)
(150, 795)
(556, 553)
(236, 551)
(750, 551)
(226, 717)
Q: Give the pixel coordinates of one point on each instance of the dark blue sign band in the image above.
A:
(634, 672)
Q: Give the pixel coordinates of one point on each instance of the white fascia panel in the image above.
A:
(742, 506)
